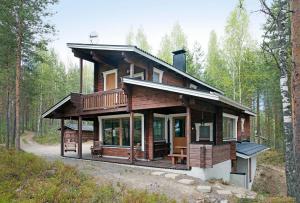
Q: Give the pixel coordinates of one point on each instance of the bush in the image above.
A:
(25, 177)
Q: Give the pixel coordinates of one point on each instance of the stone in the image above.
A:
(224, 201)
(224, 192)
(204, 188)
(171, 175)
(157, 173)
(186, 181)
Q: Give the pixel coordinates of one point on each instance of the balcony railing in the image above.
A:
(105, 100)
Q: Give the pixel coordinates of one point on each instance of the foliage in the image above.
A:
(139, 39)
(51, 137)
(263, 199)
(271, 157)
(25, 177)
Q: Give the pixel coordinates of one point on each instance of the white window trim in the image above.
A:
(192, 86)
(105, 73)
(171, 117)
(160, 72)
(141, 74)
(100, 118)
(166, 124)
(235, 129)
(197, 125)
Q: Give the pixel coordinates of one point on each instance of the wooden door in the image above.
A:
(179, 137)
(110, 81)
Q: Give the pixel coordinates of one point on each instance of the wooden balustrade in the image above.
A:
(104, 100)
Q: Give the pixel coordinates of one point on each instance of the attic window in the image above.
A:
(192, 86)
(157, 75)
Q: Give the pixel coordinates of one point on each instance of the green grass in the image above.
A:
(263, 199)
(47, 139)
(271, 157)
(25, 177)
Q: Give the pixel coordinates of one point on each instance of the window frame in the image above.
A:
(192, 86)
(166, 125)
(235, 118)
(140, 74)
(105, 73)
(160, 73)
(118, 116)
(198, 138)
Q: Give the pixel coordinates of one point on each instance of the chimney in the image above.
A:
(179, 59)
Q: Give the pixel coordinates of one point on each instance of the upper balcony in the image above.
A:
(105, 100)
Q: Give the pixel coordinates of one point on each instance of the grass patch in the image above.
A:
(25, 177)
(263, 199)
(271, 157)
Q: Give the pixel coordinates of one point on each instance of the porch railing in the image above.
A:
(105, 100)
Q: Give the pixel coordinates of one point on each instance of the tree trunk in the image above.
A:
(257, 119)
(7, 120)
(295, 86)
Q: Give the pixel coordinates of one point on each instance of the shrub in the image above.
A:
(271, 157)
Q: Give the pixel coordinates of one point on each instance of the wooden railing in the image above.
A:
(104, 100)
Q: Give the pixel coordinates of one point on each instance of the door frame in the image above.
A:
(105, 73)
(171, 118)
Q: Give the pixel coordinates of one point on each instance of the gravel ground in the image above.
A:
(131, 176)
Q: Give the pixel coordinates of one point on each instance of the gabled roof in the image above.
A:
(206, 95)
(71, 126)
(56, 106)
(141, 52)
(249, 149)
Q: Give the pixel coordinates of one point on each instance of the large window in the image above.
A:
(229, 127)
(204, 131)
(116, 131)
(159, 129)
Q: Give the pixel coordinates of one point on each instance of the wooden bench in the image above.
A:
(176, 156)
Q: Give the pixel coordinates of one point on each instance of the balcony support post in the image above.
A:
(81, 81)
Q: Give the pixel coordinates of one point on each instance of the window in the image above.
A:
(204, 131)
(116, 131)
(179, 127)
(159, 129)
(157, 75)
(229, 127)
(242, 125)
(192, 86)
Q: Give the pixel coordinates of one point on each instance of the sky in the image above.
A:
(112, 20)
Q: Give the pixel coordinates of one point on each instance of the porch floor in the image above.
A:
(159, 163)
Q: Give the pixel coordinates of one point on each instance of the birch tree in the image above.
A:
(277, 43)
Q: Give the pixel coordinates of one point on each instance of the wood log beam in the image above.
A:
(62, 125)
(81, 75)
(131, 136)
(188, 134)
(102, 59)
(79, 137)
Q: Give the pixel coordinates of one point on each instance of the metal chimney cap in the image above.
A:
(180, 51)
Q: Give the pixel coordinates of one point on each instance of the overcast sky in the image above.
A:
(112, 19)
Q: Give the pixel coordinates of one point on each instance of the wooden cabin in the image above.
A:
(71, 132)
(140, 99)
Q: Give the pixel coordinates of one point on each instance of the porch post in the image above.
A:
(188, 134)
(150, 140)
(62, 130)
(80, 67)
(96, 129)
(79, 137)
(219, 126)
(131, 136)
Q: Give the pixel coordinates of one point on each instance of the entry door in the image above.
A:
(110, 81)
(179, 137)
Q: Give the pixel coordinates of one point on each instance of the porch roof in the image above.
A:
(130, 48)
(186, 91)
(71, 126)
(249, 149)
(56, 106)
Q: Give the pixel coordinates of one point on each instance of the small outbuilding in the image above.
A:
(71, 133)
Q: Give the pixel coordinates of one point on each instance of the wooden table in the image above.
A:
(182, 148)
(182, 155)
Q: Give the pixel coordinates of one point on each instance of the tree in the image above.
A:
(28, 26)
(295, 86)
(195, 61)
(130, 37)
(166, 49)
(236, 40)
(277, 43)
(139, 39)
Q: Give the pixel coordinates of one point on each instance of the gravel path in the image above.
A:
(131, 176)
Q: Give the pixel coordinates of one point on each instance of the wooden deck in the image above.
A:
(161, 163)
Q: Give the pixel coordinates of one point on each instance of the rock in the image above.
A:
(204, 188)
(224, 192)
(171, 175)
(224, 201)
(239, 195)
(186, 181)
(157, 173)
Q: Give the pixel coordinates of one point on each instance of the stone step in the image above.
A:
(204, 188)
(186, 181)
(158, 173)
(224, 192)
(171, 175)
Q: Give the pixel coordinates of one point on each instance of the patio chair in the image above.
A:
(96, 149)
(136, 149)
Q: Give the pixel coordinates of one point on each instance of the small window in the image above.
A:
(192, 86)
(179, 127)
(229, 127)
(159, 129)
(242, 125)
(204, 131)
(157, 75)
